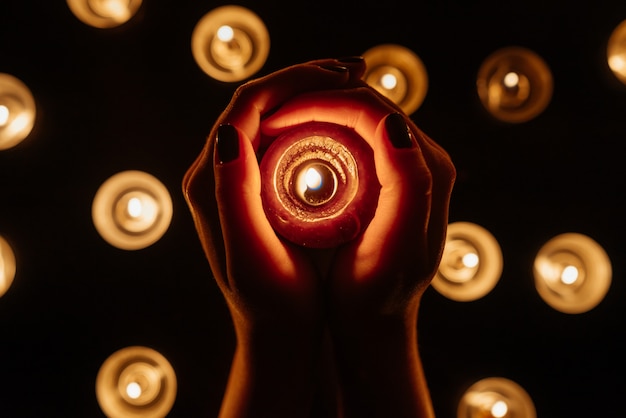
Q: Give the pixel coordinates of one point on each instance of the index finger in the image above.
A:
(256, 98)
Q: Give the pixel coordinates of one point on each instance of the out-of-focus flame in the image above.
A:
(136, 382)
(17, 111)
(230, 43)
(104, 14)
(471, 264)
(397, 73)
(496, 397)
(572, 273)
(514, 84)
(132, 210)
(616, 52)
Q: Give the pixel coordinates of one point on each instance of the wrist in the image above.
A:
(397, 323)
(379, 367)
(374, 335)
(273, 372)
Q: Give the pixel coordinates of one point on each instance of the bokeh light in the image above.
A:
(132, 210)
(496, 397)
(136, 382)
(616, 52)
(397, 73)
(230, 43)
(514, 84)
(471, 264)
(7, 266)
(104, 14)
(17, 111)
(572, 273)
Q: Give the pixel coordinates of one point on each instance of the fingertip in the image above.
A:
(226, 144)
(356, 59)
(397, 153)
(335, 68)
(356, 64)
(398, 132)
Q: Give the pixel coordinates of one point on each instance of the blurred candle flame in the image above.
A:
(225, 33)
(569, 275)
(133, 390)
(616, 52)
(511, 79)
(4, 115)
(230, 43)
(389, 81)
(572, 273)
(7, 266)
(115, 9)
(499, 409)
(134, 207)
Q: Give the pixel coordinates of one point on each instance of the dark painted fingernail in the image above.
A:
(336, 68)
(351, 60)
(398, 131)
(227, 143)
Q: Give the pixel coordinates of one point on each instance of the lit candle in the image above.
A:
(572, 273)
(136, 381)
(104, 13)
(7, 266)
(17, 111)
(616, 52)
(389, 81)
(471, 264)
(459, 261)
(496, 397)
(514, 84)
(397, 73)
(232, 48)
(230, 43)
(132, 210)
(319, 184)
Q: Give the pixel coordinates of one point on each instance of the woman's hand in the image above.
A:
(395, 258)
(271, 286)
(372, 284)
(376, 282)
(260, 275)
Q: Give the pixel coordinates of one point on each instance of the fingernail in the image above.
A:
(336, 68)
(398, 131)
(351, 60)
(227, 143)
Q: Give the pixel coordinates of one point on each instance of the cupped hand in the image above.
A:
(283, 287)
(263, 278)
(374, 283)
(385, 270)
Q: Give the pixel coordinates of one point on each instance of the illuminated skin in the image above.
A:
(283, 296)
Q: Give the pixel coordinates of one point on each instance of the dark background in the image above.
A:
(133, 98)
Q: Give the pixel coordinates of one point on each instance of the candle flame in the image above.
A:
(4, 115)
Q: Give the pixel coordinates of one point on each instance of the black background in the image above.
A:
(133, 98)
